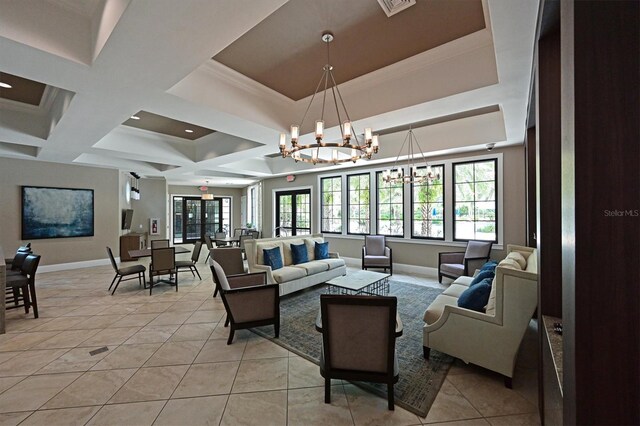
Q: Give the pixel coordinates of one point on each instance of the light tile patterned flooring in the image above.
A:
(168, 364)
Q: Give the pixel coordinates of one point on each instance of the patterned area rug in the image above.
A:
(420, 380)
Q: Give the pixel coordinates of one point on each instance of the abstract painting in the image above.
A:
(56, 212)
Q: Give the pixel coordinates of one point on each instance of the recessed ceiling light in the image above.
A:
(5, 85)
(135, 117)
(189, 131)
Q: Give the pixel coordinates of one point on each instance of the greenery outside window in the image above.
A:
(331, 205)
(475, 200)
(359, 216)
(427, 205)
(390, 208)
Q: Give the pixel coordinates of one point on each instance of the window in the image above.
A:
(475, 200)
(331, 204)
(358, 204)
(293, 213)
(390, 218)
(427, 205)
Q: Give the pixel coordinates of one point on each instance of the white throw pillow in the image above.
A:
(510, 263)
(518, 257)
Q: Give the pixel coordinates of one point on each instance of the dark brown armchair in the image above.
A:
(248, 300)
(376, 253)
(359, 340)
(463, 263)
(230, 259)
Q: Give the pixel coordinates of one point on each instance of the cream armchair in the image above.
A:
(489, 339)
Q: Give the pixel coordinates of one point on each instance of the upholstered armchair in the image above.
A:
(230, 259)
(358, 340)
(248, 299)
(376, 254)
(456, 264)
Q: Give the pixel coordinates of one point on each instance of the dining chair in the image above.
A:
(163, 262)
(191, 264)
(22, 249)
(23, 286)
(209, 243)
(359, 341)
(121, 272)
(159, 244)
(221, 235)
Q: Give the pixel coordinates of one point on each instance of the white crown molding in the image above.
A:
(241, 81)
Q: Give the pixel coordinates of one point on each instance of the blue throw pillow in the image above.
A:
(273, 258)
(322, 250)
(299, 253)
(489, 266)
(476, 297)
(482, 275)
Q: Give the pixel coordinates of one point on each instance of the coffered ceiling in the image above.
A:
(461, 69)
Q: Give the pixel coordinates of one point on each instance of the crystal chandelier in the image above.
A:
(349, 148)
(396, 173)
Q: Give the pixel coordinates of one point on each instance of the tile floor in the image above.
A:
(168, 364)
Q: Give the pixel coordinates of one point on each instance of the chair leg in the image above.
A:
(327, 391)
(34, 300)
(390, 396)
(426, 352)
(16, 295)
(197, 272)
(208, 255)
(176, 280)
(144, 280)
(215, 291)
(276, 328)
(116, 287)
(25, 299)
(440, 278)
(226, 321)
(150, 284)
(230, 339)
(112, 281)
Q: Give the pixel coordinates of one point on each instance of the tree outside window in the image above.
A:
(475, 200)
(427, 205)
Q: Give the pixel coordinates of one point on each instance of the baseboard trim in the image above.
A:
(74, 265)
(397, 267)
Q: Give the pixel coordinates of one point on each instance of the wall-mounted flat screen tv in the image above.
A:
(56, 212)
(127, 217)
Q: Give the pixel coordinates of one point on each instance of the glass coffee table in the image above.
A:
(360, 282)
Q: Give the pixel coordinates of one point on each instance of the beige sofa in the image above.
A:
(294, 277)
(489, 339)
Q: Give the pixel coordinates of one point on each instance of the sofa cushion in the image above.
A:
(489, 266)
(287, 254)
(510, 263)
(455, 290)
(313, 267)
(288, 273)
(321, 250)
(435, 309)
(481, 276)
(476, 296)
(299, 253)
(333, 263)
(311, 246)
(273, 258)
(518, 258)
(260, 246)
(377, 261)
(463, 280)
(452, 268)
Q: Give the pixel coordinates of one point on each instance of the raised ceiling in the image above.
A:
(285, 52)
(467, 79)
(22, 89)
(167, 126)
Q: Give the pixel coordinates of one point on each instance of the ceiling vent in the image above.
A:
(391, 7)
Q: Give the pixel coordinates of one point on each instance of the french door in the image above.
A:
(194, 217)
(293, 212)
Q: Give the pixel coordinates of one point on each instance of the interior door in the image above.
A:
(293, 212)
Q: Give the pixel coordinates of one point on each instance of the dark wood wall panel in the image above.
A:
(548, 165)
(532, 222)
(601, 198)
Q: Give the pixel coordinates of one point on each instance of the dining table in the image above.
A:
(226, 240)
(146, 252)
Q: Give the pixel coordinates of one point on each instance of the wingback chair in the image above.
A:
(376, 253)
(248, 299)
(358, 340)
(463, 263)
